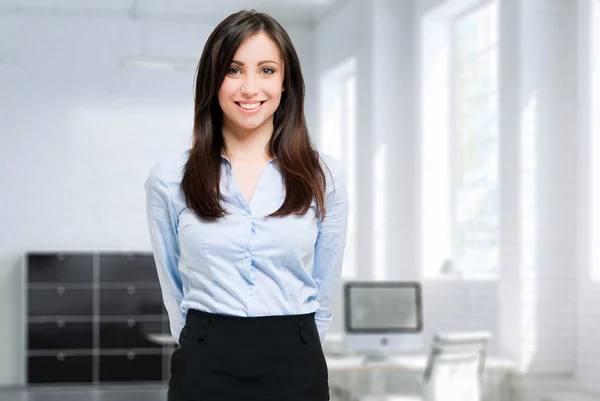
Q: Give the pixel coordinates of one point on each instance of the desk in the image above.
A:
(353, 374)
(161, 338)
(409, 363)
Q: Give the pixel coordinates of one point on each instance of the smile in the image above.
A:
(250, 107)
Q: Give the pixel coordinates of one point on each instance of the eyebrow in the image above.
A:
(260, 63)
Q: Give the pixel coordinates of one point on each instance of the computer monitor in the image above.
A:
(383, 318)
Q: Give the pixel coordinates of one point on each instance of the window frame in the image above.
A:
(453, 131)
(444, 21)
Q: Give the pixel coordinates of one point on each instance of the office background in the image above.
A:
(79, 134)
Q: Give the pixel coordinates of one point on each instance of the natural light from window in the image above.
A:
(379, 213)
(459, 143)
(434, 146)
(475, 142)
(528, 228)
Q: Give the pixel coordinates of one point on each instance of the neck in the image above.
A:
(247, 144)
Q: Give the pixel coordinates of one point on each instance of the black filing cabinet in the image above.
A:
(90, 316)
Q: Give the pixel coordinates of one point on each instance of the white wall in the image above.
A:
(78, 137)
(537, 287)
(343, 34)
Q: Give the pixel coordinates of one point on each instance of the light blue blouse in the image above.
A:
(244, 264)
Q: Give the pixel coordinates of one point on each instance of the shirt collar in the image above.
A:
(223, 157)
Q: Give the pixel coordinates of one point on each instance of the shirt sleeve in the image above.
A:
(329, 247)
(162, 224)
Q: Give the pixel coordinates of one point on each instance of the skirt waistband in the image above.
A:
(304, 317)
(273, 329)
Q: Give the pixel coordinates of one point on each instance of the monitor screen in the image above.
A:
(383, 307)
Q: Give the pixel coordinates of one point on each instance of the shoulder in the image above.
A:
(333, 164)
(335, 174)
(169, 169)
(333, 167)
(164, 179)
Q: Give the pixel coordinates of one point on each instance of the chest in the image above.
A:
(246, 226)
(236, 236)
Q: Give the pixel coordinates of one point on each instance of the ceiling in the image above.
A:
(290, 11)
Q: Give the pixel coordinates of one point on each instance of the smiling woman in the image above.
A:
(248, 227)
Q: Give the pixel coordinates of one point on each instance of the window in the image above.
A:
(459, 142)
(338, 138)
(474, 130)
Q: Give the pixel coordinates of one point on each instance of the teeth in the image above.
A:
(249, 105)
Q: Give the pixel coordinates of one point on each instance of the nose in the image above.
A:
(249, 87)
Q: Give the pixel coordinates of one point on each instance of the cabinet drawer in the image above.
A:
(60, 301)
(60, 369)
(60, 334)
(59, 268)
(129, 334)
(131, 301)
(131, 268)
(131, 367)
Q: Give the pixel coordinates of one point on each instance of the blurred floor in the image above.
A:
(156, 393)
(105, 394)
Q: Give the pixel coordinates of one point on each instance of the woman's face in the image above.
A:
(252, 88)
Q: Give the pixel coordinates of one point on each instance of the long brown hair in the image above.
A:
(290, 145)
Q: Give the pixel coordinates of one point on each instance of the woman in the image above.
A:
(248, 227)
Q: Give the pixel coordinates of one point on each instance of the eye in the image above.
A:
(268, 70)
(233, 70)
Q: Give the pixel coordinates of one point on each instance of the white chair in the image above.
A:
(454, 371)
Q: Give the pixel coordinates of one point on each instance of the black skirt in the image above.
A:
(232, 358)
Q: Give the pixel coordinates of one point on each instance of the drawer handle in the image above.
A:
(131, 290)
(60, 356)
(131, 355)
(60, 323)
(130, 322)
(60, 290)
